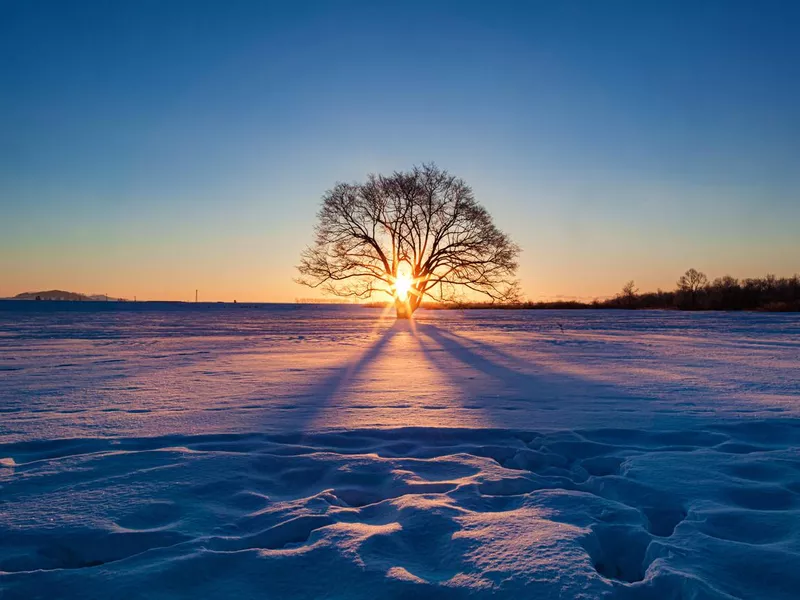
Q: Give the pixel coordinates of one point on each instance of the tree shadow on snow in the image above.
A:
(322, 395)
(502, 383)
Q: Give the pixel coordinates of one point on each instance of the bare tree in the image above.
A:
(628, 294)
(409, 235)
(690, 283)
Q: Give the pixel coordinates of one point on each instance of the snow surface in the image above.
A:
(182, 451)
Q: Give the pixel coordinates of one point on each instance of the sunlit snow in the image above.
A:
(302, 452)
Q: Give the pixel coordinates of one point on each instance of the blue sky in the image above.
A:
(152, 148)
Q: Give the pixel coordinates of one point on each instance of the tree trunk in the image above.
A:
(404, 309)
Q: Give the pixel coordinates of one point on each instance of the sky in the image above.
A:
(153, 148)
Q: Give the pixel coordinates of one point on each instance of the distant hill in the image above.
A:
(60, 295)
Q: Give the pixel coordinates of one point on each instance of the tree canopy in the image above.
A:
(424, 225)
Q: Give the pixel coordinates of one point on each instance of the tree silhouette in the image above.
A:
(628, 294)
(690, 283)
(421, 229)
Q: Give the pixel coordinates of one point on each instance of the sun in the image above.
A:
(402, 285)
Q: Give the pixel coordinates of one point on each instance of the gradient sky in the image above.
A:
(150, 148)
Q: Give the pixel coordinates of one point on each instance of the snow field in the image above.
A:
(306, 453)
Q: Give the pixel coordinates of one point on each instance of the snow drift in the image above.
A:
(170, 452)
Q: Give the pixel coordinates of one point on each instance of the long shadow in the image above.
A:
(319, 396)
(548, 388)
(504, 362)
(461, 352)
(600, 388)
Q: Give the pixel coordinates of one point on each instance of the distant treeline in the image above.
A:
(693, 292)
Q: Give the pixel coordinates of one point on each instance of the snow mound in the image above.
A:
(410, 512)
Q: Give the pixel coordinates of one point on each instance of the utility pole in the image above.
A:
(195, 295)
